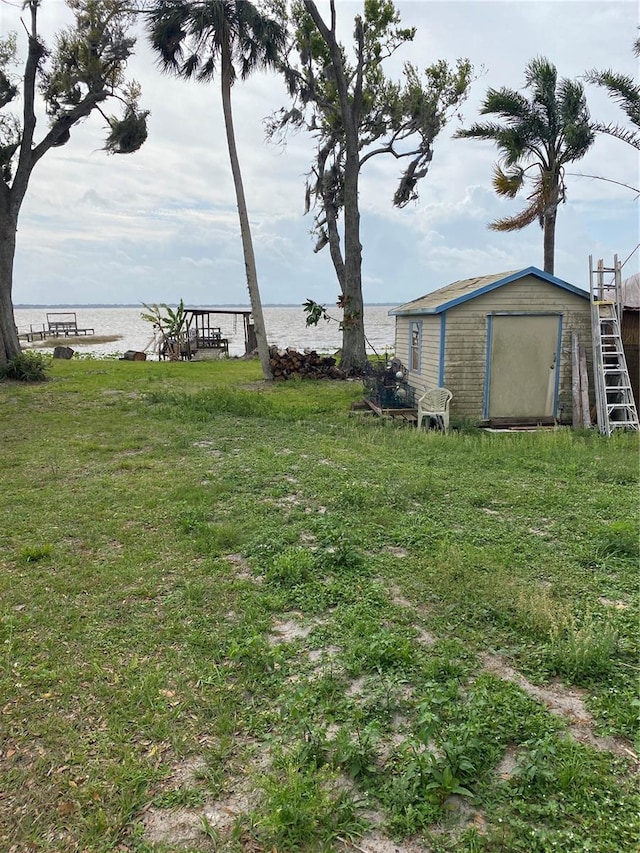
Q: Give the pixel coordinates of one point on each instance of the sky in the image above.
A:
(161, 225)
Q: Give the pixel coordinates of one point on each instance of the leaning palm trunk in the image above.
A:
(245, 229)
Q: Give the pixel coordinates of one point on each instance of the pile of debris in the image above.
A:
(289, 363)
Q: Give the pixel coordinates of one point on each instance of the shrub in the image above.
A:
(27, 367)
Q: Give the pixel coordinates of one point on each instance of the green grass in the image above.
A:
(196, 567)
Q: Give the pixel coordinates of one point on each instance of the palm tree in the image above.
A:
(537, 138)
(192, 39)
(623, 89)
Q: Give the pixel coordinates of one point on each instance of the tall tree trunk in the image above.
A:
(354, 356)
(245, 229)
(549, 240)
(9, 343)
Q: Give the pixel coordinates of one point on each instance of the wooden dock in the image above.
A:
(58, 325)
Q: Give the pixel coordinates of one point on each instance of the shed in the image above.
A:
(501, 343)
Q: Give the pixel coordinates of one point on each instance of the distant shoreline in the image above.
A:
(24, 305)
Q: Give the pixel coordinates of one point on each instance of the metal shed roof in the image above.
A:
(469, 288)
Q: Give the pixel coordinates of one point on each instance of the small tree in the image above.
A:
(536, 139)
(84, 70)
(169, 328)
(355, 113)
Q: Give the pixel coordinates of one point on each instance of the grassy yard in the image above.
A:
(234, 617)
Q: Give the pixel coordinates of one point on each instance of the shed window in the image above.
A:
(415, 335)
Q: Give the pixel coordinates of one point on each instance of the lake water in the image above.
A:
(285, 328)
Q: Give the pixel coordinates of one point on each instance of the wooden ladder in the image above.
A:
(614, 397)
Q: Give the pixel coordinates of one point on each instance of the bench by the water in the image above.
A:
(210, 338)
(64, 324)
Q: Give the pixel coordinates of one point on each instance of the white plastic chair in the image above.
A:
(435, 404)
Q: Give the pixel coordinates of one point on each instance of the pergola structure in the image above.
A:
(203, 334)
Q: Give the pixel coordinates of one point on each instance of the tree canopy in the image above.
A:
(83, 70)
(535, 138)
(354, 112)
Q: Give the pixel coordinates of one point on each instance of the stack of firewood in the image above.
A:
(288, 363)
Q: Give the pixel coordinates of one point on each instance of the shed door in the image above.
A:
(523, 365)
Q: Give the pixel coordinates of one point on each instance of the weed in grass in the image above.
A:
(343, 558)
(219, 538)
(34, 553)
(182, 797)
(535, 768)
(304, 811)
(291, 567)
(619, 539)
(582, 652)
(190, 519)
(378, 651)
(355, 751)
(617, 710)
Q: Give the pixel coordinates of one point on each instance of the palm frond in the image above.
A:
(509, 104)
(631, 137)
(508, 184)
(520, 220)
(623, 90)
(199, 30)
(541, 76)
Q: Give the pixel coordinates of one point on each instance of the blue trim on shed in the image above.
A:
(443, 333)
(465, 297)
(487, 368)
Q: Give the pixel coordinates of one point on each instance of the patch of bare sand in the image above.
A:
(187, 827)
(567, 702)
(287, 630)
(184, 827)
(376, 842)
(507, 764)
(173, 827)
(241, 566)
(318, 655)
(397, 597)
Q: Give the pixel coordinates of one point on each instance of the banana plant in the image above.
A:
(171, 326)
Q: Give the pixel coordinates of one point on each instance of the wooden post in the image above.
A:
(575, 382)
(584, 386)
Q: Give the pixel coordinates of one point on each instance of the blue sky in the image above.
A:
(161, 224)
